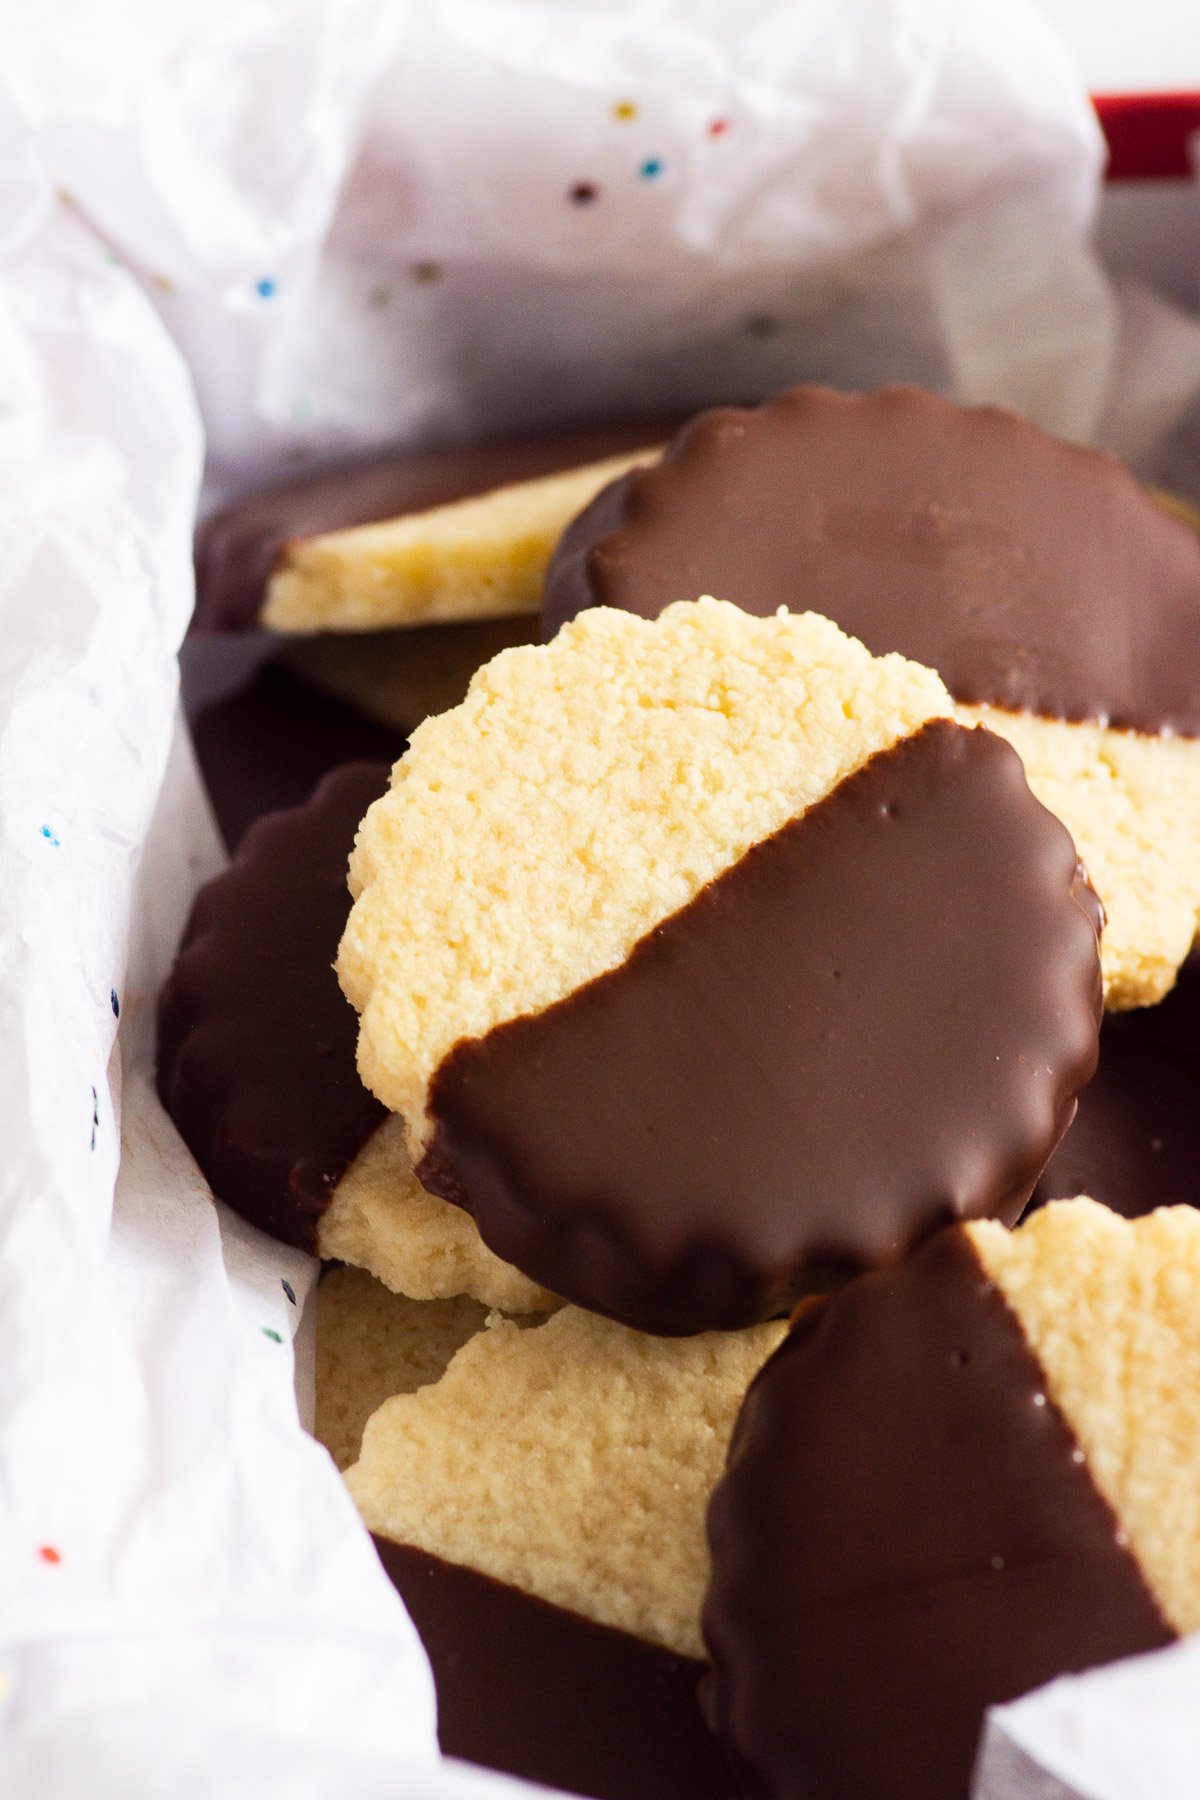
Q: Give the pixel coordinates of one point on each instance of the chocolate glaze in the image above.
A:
(873, 1024)
(1029, 573)
(903, 1538)
(539, 1692)
(265, 747)
(237, 548)
(256, 1044)
(1135, 1141)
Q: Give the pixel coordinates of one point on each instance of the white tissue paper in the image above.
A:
(278, 230)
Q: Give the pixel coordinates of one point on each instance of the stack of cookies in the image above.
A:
(662, 1050)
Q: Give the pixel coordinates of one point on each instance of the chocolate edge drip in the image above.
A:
(536, 1691)
(256, 1042)
(639, 547)
(540, 1200)
(876, 1586)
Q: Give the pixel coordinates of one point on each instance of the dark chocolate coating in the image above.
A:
(875, 1023)
(264, 748)
(539, 1692)
(1134, 1142)
(1174, 1024)
(1031, 574)
(903, 1537)
(256, 1043)
(237, 548)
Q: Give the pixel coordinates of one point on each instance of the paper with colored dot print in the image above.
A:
(285, 231)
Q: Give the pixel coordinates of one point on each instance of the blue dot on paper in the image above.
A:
(289, 1290)
(51, 836)
(114, 1002)
(266, 287)
(273, 1335)
(652, 167)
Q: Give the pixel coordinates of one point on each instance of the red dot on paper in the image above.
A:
(718, 127)
(49, 1554)
(582, 193)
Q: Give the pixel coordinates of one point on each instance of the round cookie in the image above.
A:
(1019, 1497)
(311, 554)
(541, 1510)
(264, 746)
(399, 678)
(573, 1460)
(256, 1066)
(1058, 601)
(371, 1344)
(707, 964)
(1134, 1143)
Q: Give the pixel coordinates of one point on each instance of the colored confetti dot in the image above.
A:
(582, 193)
(164, 284)
(114, 1002)
(49, 1554)
(51, 836)
(652, 167)
(625, 109)
(266, 288)
(761, 325)
(427, 271)
(289, 1290)
(718, 127)
(273, 1335)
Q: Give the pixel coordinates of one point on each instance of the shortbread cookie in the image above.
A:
(706, 964)
(1036, 577)
(1019, 1497)
(1174, 1024)
(256, 1067)
(239, 547)
(1134, 1142)
(401, 677)
(371, 1344)
(572, 1460)
(479, 558)
(543, 1693)
(1132, 804)
(264, 747)
(524, 1685)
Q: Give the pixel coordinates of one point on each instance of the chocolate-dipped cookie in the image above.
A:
(953, 1482)
(540, 1508)
(1058, 601)
(707, 964)
(408, 538)
(398, 678)
(256, 1066)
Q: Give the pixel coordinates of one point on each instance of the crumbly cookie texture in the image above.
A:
(1132, 804)
(1111, 1309)
(585, 790)
(380, 1218)
(402, 677)
(573, 1459)
(371, 1344)
(482, 558)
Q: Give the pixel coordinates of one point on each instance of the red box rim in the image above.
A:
(1149, 134)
